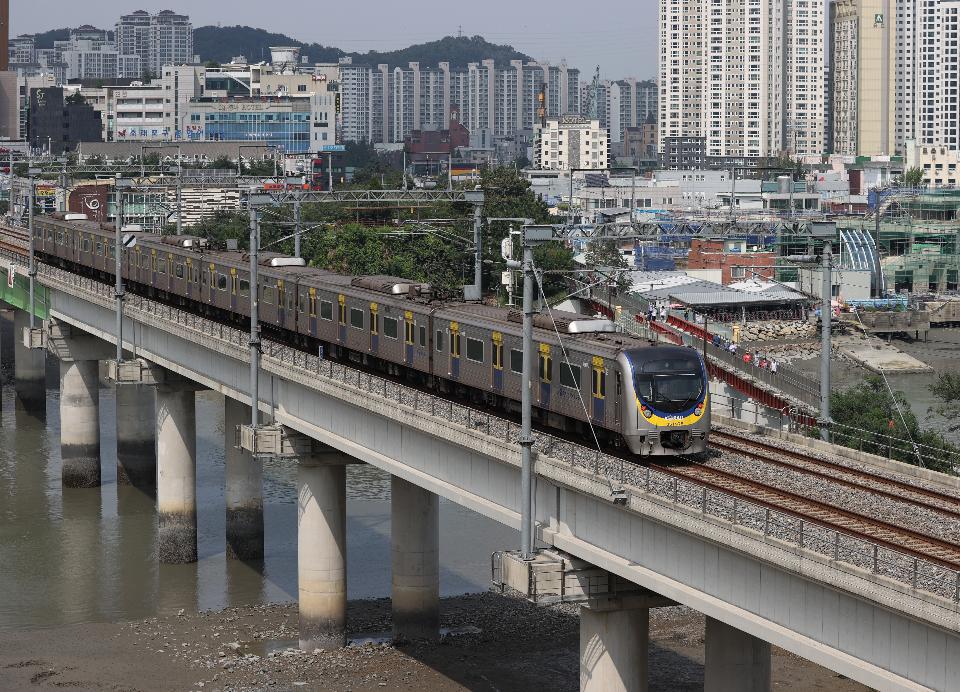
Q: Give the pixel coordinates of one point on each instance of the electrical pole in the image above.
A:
(526, 424)
(118, 286)
(296, 225)
(825, 314)
(478, 251)
(254, 317)
(33, 251)
(180, 201)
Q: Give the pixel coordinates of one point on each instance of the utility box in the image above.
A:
(556, 577)
(273, 441)
(35, 338)
(135, 371)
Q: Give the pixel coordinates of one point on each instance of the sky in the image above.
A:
(618, 35)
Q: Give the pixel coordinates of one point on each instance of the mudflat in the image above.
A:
(491, 642)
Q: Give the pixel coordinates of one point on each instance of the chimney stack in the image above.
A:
(4, 35)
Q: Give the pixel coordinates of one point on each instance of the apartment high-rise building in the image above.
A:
(161, 39)
(89, 54)
(746, 76)
(571, 142)
(863, 77)
(384, 104)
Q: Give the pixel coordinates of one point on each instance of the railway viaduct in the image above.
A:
(758, 577)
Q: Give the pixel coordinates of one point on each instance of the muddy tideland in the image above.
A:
(491, 642)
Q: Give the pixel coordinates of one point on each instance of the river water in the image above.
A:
(72, 556)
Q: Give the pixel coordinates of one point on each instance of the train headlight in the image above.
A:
(647, 413)
(698, 410)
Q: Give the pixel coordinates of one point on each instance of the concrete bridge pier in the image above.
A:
(80, 423)
(613, 648)
(243, 488)
(177, 471)
(322, 549)
(136, 437)
(415, 534)
(735, 661)
(29, 368)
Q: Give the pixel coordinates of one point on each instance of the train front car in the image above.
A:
(666, 400)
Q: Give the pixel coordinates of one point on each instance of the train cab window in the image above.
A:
(326, 310)
(244, 287)
(475, 350)
(423, 336)
(516, 361)
(546, 367)
(570, 375)
(391, 329)
(439, 340)
(356, 318)
(178, 270)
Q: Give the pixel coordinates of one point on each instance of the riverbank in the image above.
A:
(492, 642)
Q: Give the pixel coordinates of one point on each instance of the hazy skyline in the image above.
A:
(622, 40)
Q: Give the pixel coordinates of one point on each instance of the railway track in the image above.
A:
(839, 474)
(872, 530)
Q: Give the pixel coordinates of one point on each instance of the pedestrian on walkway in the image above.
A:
(773, 366)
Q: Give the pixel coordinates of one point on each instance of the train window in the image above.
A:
(475, 350)
(570, 375)
(516, 361)
(244, 287)
(423, 336)
(356, 318)
(302, 303)
(546, 368)
(455, 344)
(178, 270)
(100, 248)
(439, 340)
(162, 266)
(50, 236)
(326, 310)
(391, 329)
(267, 295)
(110, 250)
(222, 282)
(86, 245)
(59, 237)
(144, 261)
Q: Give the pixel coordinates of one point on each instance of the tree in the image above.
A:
(913, 177)
(75, 98)
(221, 163)
(947, 390)
(870, 419)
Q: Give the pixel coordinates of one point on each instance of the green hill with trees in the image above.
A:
(221, 43)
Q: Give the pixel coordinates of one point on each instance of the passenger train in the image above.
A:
(653, 399)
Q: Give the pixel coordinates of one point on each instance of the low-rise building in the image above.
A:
(736, 260)
(571, 142)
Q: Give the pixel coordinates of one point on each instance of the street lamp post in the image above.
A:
(32, 270)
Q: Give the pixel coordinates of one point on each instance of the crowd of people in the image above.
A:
(755, 358)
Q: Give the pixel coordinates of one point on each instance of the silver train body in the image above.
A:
(589, 379)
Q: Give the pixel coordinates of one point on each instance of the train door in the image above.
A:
(234, 288)
(408, 337)
(497, 361)
(212, 283)
(342, 331)
(599, 389)
(312, 310)
(188, 277)
(374, 328)
(153, 268)
(281, 302)
(546, 374)
(455, 350)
